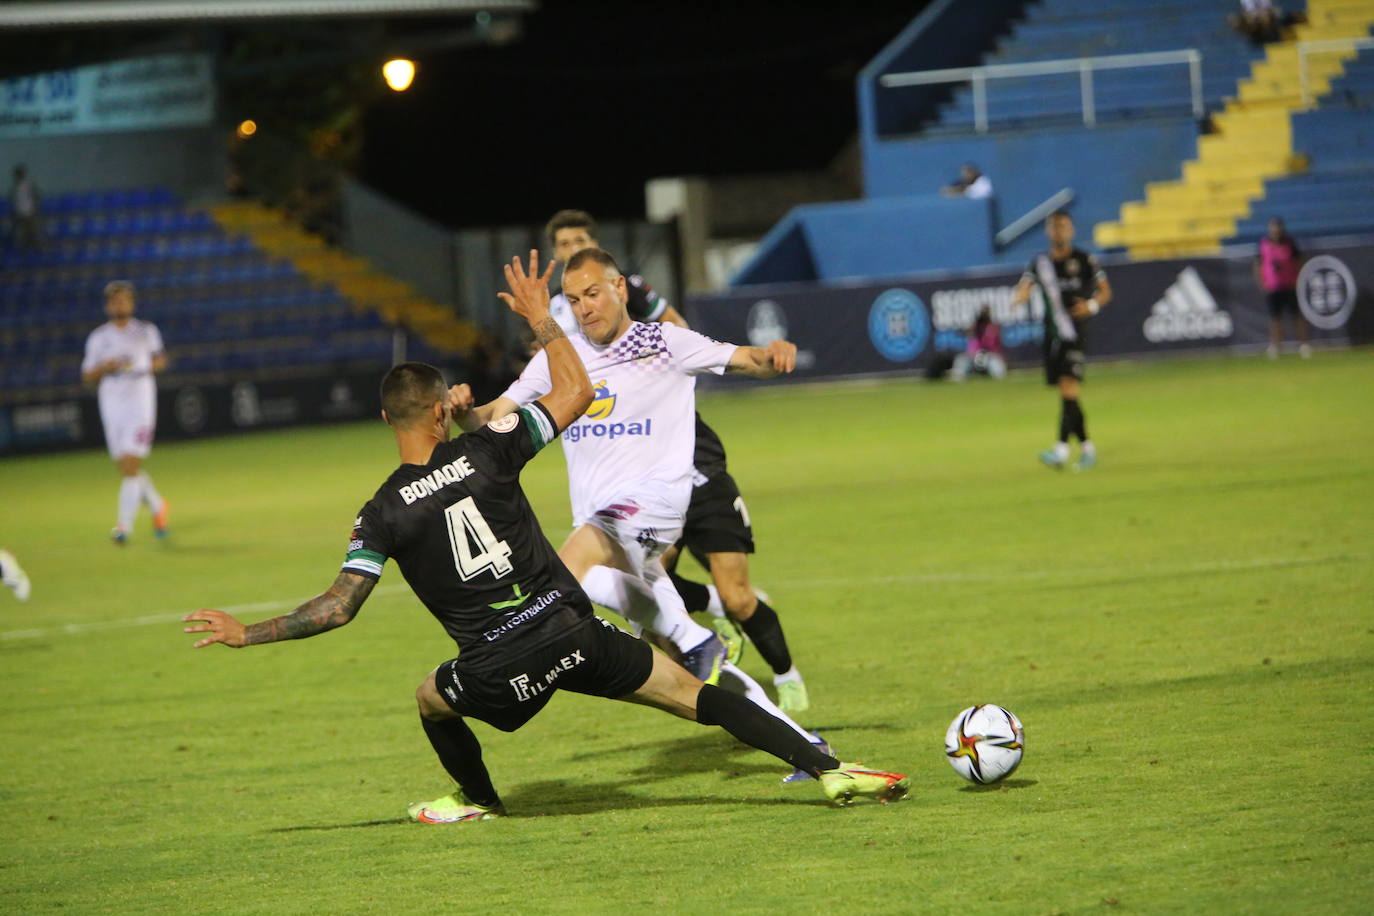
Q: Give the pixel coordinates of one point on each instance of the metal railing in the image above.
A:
(1022, 225)
(1085, 67)
(1327, 46)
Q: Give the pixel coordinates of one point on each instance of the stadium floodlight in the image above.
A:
(399, 73)
(247, 127)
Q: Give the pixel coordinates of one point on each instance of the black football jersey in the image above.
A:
(645, 304)
(709, 456)
(467, 541)
(1077, 274)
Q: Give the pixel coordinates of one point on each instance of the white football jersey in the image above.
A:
(640, 431)
(129, 390)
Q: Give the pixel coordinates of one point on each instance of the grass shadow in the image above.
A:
(1002, 786)
(563, 798)
(298, 828)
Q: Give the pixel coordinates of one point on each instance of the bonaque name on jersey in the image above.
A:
(437, 479)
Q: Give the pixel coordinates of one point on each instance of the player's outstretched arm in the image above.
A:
(773, 360)
(570, 391)
(475, 417)
(336, 607)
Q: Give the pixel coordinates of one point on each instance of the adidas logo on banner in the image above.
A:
(1187, 312)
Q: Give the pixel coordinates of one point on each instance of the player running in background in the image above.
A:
(121, 356)
(717, 529)
(13, 575)
(1074, 288)
(454, 518)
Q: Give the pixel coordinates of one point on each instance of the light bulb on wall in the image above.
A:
(399, 73)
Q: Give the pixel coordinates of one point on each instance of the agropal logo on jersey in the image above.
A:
(603, 402)
(603, 405)
(1188, 311)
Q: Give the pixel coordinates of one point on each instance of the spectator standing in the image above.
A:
(24, 205)
(1276, 271)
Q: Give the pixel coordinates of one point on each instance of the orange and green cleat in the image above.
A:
(160, 520)
(451, 809)
(849, 781)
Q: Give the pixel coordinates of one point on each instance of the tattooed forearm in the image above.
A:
(334, 608)
(547, 330)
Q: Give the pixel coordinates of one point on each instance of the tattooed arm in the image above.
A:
(570, 391)
(336, 607)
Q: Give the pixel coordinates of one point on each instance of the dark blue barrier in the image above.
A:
(903, 324)
(189, 409)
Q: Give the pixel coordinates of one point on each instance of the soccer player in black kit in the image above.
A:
(717, 532)
(454, 518)
(1074, 288)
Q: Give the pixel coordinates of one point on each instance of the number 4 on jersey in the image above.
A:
(466, 526)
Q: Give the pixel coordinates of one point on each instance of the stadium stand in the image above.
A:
(1145, 133)
(1336, 145)
(1064, 29)
(1253, 143)
(225, 303)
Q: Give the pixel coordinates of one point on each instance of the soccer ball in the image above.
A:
(985, 743)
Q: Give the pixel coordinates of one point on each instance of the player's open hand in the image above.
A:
(783, 354)
(529, 290)
(222, 627)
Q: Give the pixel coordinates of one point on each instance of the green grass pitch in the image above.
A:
(1187, 633)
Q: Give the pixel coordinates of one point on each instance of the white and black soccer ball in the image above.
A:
(985, 743)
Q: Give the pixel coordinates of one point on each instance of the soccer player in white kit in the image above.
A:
(122, 355)
(630, 455)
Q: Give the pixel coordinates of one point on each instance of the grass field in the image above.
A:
(1187, 633)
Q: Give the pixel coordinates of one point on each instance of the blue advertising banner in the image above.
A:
(145, 93)
(910, 324)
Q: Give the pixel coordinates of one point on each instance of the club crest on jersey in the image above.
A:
(504, 424)
(603, 402)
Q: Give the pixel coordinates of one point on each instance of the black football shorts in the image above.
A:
(593, 657)
(1064, 359)
(717, 520)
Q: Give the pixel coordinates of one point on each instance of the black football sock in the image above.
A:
(1082, 429)
(748, 722)
(461, 754)
(765, 631)
(694, 594)
(1067, 408)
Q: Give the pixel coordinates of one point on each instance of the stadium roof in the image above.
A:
(32, 14)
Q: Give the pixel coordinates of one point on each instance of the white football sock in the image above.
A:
(713, 605)
(130, 491)
(736, 681)
(151, 497)
(1087, 447)
(1061, 451)
(634, 600)
(791, 674)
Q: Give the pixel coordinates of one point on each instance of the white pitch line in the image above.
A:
(1088, 572)
(76, 629)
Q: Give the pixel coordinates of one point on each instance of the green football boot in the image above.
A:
(792, 696)
(849, 781)
(451, 809)
(733, 637)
